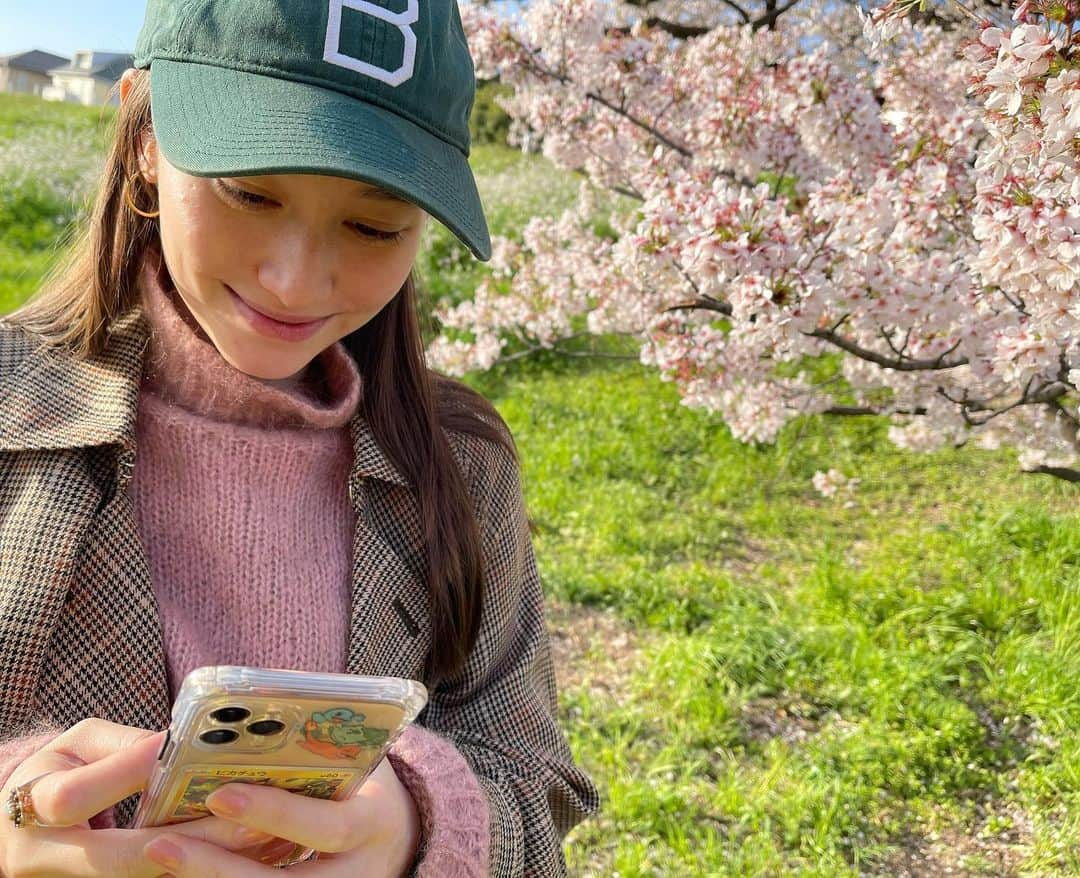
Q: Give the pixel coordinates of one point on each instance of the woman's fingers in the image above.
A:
(92, 739)
(88, 768)
(380, 818)
(91, 773)
(212, 830)
(188, 858)
(118, 853)
(321, 824)
(272, 852)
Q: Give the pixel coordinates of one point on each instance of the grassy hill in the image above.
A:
(763, 682)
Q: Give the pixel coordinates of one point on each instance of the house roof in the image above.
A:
(107, 66)
(34, 61)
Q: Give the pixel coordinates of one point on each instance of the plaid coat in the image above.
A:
(79, 628)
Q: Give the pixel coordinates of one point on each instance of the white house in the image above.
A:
(89, 78)
(28, 72)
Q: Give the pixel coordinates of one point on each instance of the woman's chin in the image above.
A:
(266, 368)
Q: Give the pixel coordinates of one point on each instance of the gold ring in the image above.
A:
(20, 808)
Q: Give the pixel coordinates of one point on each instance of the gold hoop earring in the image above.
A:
(131, 204)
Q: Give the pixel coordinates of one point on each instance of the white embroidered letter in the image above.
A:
(402, 20)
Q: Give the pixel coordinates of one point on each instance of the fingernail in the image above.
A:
(231, 803)
(164, 853)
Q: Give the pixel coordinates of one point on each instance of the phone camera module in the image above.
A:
(219, 736)
(230, 714)
(266, 727)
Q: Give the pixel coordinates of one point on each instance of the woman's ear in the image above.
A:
(125, 83)
(148, 157)
(147, 146)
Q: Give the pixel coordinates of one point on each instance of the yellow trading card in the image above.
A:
(199, 781)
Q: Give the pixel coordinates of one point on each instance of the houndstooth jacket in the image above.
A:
(79, 628)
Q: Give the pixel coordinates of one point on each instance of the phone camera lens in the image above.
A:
(266, 727)
(219, 736)
(230, 714)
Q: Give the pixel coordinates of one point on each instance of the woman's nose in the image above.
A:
(298, 272)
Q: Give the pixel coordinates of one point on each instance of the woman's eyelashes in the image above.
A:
(253, 199)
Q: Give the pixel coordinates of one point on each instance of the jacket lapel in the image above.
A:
(78, 618)
(53, 400)
(80, 633)
(47, 502)
(107, 657)
(390, 630)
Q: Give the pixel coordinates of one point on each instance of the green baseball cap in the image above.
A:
(372, 90)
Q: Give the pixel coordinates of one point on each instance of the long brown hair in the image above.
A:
(409, 407)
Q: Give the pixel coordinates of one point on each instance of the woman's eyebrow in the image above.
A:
(371, 193)
(376, 194)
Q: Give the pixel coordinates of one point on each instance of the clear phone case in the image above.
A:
(315, 734)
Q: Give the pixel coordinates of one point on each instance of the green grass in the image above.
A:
(20, 114)
(50, 155)
(926, 632)
(805, 686)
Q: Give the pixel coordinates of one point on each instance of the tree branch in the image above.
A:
(1069, 475)
(704, 303)
(538, 68)
(555, 349)
(679, 31)
(742, 12)
(641, 4)
(772, 12)
(855, 411)
(901, 364)
(1046, 394)
(618, 188)
(640, 123)
(892, 347)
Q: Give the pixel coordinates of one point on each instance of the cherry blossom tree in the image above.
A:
(820, 210)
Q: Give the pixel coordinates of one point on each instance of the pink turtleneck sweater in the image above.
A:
(240, 494)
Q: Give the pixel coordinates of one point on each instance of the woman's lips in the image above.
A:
(271, 328)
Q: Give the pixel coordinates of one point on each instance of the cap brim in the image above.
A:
(218, 122)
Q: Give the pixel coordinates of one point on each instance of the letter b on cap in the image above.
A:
(403, 21)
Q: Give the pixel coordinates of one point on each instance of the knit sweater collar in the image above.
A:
(183, 368)
(54, 399)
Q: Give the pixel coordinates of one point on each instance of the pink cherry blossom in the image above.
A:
(907, 198)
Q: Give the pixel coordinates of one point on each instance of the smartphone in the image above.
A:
(313, 734)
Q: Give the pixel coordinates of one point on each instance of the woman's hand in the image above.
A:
(94, 765)
(375, 833)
